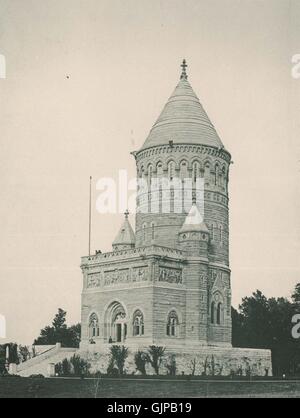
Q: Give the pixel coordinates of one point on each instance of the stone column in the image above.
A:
(122, 332)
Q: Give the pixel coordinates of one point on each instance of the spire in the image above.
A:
(183, 120)
(126, 237)
(194, 221)
(183, 73)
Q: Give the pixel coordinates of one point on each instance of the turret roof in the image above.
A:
(183, 120)
(126, 234)
(194, 221)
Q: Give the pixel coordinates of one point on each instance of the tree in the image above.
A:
(237, 328)
(267, 323)
(74, 335)
(155, 356)
(296, 294)
(254, 310)
(140, 359)
(171, 365)
(59, 332)
(24, 352)
(59, 321)
(285, 349)
(119, 355)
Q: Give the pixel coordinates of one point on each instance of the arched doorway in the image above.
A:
(115, 323)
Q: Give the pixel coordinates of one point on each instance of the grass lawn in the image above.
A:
(130, 388)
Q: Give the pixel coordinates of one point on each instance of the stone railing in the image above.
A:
(39, 358)
(153, 250)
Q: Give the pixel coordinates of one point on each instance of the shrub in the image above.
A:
(205, 367)
(111, 366)
(141, 359)
(192, 366)
(75, 366)
(213, 366)
(59, 369)
(66, 367)
(80, 367)
(3, 371)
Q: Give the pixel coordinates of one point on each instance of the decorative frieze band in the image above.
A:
(118, 276)
(170, 275)
(201, 149)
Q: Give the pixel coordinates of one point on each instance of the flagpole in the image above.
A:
(90, 215)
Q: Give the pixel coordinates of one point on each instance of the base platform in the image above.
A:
(202, 360)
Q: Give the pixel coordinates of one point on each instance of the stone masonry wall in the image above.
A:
(213, 167)
(211, 361)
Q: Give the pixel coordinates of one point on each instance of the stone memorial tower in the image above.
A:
(168, 283)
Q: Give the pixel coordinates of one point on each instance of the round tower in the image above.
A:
(184, 149)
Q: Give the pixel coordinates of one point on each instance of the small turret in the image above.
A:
(126, 237)
(194, 234)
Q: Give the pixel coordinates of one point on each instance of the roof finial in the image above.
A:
(126, 213)
(183, 74)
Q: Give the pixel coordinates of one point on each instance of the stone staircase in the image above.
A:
(40, 364)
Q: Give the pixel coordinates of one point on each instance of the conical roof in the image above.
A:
(194, 221)
(125, 235)
(183, 120)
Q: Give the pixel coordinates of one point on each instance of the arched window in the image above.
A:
(212, 312)
(94, 330)
(184, 170)
(172, 324)
(219, 313)
(207, 172)
(159, 170)
(216, 174)
(152, 230)
(171, 170)
(196, 171)
(150, 173)
(221, 234)
(224, 178)
(138, 323)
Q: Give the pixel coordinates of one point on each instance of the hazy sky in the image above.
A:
(85, 82)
